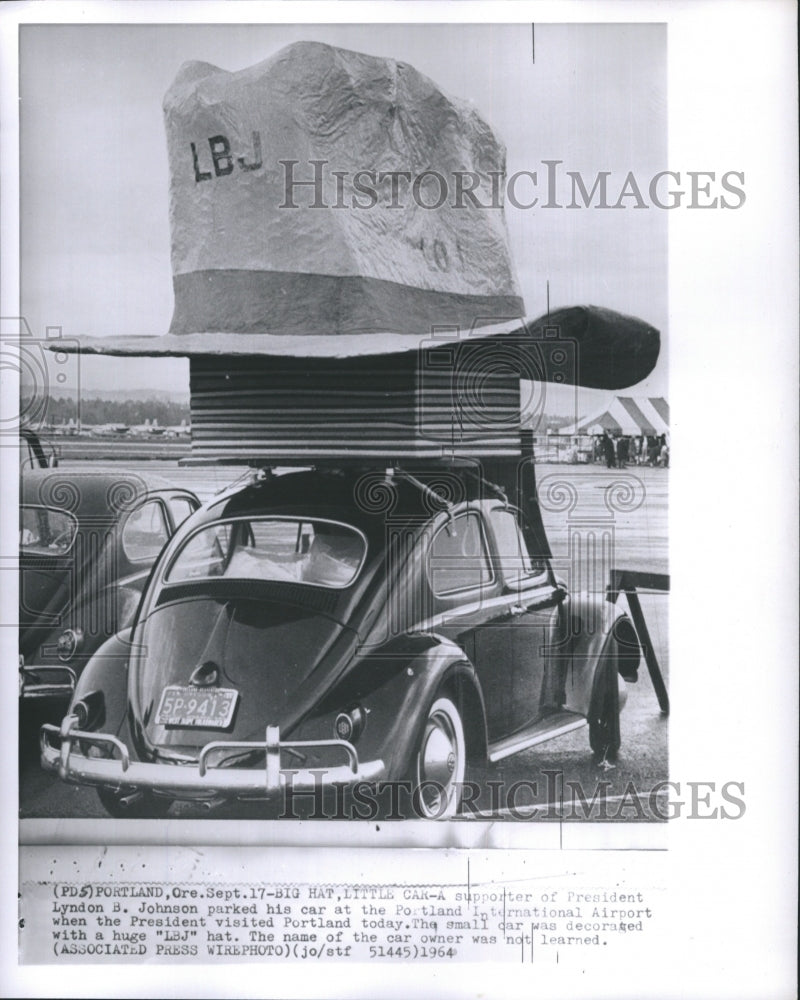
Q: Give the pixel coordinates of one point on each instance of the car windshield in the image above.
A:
(297, 550)
(46, 531)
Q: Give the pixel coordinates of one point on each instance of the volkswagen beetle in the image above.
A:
(343, 629)
(87, 541)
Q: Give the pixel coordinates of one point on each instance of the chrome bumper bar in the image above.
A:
(31, 684)
(203, 777)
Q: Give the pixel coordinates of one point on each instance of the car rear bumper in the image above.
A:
(49, 681)
(204, 778)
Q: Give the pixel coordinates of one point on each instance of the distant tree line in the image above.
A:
(110, 411)
(136, 411)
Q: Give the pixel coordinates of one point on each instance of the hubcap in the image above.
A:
(438, 759)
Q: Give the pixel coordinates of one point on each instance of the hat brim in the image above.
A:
(604, 349)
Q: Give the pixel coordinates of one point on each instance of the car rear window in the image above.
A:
(46, 531)
(295, 550)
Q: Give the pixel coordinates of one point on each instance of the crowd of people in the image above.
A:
(619, 451)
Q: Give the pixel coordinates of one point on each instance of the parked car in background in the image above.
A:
(324, 628)
(87, 542)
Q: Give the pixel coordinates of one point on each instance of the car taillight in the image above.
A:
(81, 712)
(350, 725)
(89, 711)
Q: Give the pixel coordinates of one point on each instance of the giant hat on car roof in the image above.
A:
(330, 204)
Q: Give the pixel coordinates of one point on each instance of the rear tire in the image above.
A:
(129, 803)
(439, 762)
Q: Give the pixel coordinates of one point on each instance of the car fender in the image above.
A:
(443, 669)
(107, 673)
(396, 706)
(87, 616)
(597, 630)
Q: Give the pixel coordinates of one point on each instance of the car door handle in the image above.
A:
(517, 609)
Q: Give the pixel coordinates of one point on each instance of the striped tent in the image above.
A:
(627, 415)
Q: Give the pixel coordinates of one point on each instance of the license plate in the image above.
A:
(194, 708)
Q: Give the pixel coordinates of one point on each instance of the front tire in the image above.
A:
(604, 732)
(440, 762)
(129, 803)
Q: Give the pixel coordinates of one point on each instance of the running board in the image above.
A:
(545, 729)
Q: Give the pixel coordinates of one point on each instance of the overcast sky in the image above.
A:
(94, 179)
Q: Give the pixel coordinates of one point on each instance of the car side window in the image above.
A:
(458, 557)
(180, 508)
(45, 531)
(145, 532)
(516, 564)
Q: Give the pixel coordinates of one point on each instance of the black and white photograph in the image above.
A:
(407, 582)
(375, 598)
